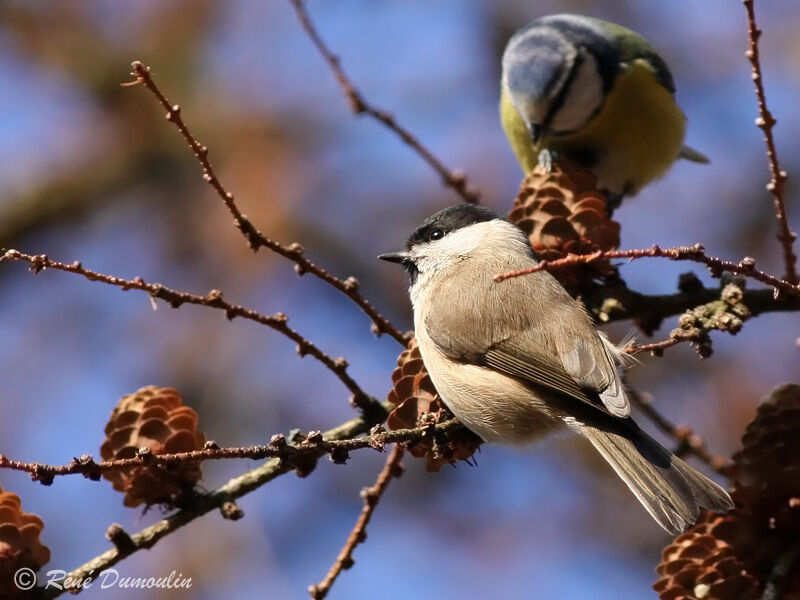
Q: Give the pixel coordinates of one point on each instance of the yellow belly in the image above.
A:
(634, 138)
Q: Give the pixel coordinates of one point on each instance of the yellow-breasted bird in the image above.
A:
(597, 94)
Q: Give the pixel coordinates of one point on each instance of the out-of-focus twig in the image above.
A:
(371, 495)
(232, 490)
(688, 440)
(455, 180)
(213, 299)
(657, 348)
(255, 238)
(776, 583)
(696, 253)
(766, 121)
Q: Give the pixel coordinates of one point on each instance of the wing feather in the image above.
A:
(553, 344)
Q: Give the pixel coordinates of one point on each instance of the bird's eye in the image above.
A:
(436, 234)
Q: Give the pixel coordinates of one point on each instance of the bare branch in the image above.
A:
(688, 440)
(727, 312)
(213, 299)
(618, 303)
(696, 253)
(371, 495)
(766, 121)
(311, 445)
(255, 238)
(235, 488)
(455, 180)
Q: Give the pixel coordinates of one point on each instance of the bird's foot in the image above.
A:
(614, 200)
(546, 160)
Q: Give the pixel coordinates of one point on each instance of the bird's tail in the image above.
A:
(693, 155)
(671, 491)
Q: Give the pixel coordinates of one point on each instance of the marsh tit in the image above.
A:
(517, 359)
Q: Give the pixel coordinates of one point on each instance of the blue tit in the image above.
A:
(597, 94)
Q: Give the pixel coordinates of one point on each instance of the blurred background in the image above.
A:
(91, 171)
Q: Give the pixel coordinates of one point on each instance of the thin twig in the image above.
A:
(696, 253)
(255, 238)
(455, 180)
(656, 348)
(371, 495)
(688, 440)
(213, 299)
(313, 445)
(766, 121)
(235, 488)
(726, 313)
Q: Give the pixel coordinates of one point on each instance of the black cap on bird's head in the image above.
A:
(437, 226)
(450, 219)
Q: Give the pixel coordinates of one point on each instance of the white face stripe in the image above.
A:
(527, 48)
(576, 92)
(583, 99)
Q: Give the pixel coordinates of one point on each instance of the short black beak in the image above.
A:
(395, 257)
(536, 133)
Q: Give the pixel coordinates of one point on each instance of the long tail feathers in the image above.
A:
(671, 491)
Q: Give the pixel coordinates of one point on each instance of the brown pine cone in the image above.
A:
(563, 213)
(19, 543)
(153, 418)
(701, 565)
(766, 475)
(736, 555)
(417, 403)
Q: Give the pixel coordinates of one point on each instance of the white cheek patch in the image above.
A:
(584, 97)
(442, 255)
(463, 241)
(451, 248)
